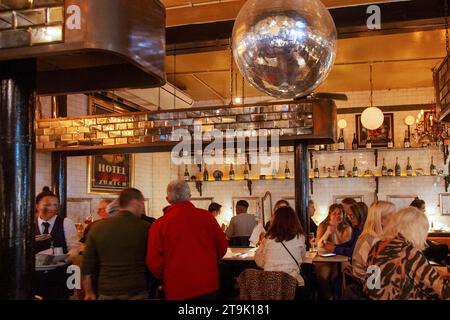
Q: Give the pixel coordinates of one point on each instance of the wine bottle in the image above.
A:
(409, 169)
(398, 170)
(341, 142)
(433, 170)
(390, 143)
(355, 142)
(187, 176)
(274, 171)
(205, 174)
(384, 170)
(287, 172)
(406, 142)
(231, 173)
(246, 172)
(355, 170)
(316, 170)
(368, 143)
(341, 168)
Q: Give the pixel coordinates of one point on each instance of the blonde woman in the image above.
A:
(404, 271)
(378, 218)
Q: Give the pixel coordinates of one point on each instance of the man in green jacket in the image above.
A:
(115, 253)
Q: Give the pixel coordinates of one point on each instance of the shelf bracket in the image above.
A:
(249, 186)
(311, 185)
(445, 148)
(377, 187)
(311, 160)
(447, 182)
(376, 157)
(198, 186)
(247, 156)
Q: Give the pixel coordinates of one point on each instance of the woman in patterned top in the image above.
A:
(380, 214)
(405, 272)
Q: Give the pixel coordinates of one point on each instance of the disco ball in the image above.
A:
(284, 48)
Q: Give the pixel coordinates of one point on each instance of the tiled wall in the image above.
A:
(154, 171)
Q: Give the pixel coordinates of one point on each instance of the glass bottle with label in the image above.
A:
(433, 170)
(341, 142)
(355, 170)
(355, 142)
(398, 170)
(187, 176)
(246, 172)
(406, 142)
(390, 143)
(205, 174)
(368, 143)
(316, 170)
(287, 171)
(341, 168)
(384, 169)
(409, 169)
(231, 173)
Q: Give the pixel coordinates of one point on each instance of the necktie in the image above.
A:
(46, 227)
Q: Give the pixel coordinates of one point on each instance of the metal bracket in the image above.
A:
(198, 186)
(311, 185)
(249, 186)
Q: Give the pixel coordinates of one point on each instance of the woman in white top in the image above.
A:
(378, 218)
(285, 228)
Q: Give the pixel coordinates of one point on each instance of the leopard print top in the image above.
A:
(405, 273)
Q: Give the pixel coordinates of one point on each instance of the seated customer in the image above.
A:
(283, 248)
(311, 212)
(378, 218)
(356, 214)
(241, 226)
(404, 271)
(215, 209)
(332, 230)
(437, 252)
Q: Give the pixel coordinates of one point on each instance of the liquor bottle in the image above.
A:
(409, 169)
(341, 142)
(368, 143)
(384, 170)
(274, 171)
(231, 174)
(287, 172)
(406, 142)
(316, 170)
(398, 170)
(390, 143)
(187, 176)
(246, 172)
(341, 168)
(355, 170)
(355, 142)
(433, 170)
(205, 174)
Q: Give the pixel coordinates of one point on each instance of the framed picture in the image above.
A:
(401, 201)
(379, 136)
(358, 198)
(110, 173)
(444, 203)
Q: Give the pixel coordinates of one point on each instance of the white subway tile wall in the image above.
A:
(154, 171)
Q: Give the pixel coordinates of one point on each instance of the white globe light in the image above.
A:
(409, 120)
(372, 118)
(342, 124)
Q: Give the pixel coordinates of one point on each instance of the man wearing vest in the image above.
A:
(51, 284)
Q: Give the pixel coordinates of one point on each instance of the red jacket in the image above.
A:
(184, 248)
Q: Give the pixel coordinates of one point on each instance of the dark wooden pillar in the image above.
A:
(302, 183)
(59, 160)
(17, 178)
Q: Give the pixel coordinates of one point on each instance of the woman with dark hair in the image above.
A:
(283, 247)
(52, 231)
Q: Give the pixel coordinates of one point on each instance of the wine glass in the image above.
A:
(312, 242)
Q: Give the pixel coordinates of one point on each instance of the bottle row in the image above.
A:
(246, 173)
(355, 172)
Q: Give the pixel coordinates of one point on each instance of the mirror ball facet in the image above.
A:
(284, 48)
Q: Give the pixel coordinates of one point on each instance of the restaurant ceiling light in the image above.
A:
(342, 124)
(372, 118)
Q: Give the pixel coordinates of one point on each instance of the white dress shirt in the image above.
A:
(70, 234)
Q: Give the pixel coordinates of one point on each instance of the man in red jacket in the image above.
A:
(185, 246)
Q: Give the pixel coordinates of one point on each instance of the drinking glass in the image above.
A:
(312, 242)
